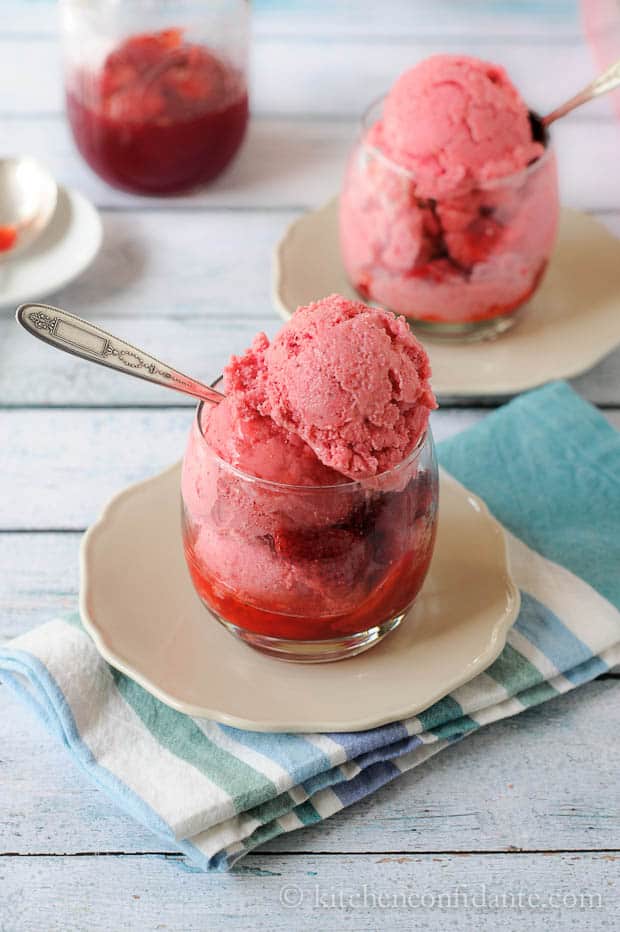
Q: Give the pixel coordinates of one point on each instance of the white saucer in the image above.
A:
(66, 247)
(138, 604)
(567, 327)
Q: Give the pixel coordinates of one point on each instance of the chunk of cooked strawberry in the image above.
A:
(476, 242)
(146, 49)
(153, 77)
(362, 519)
(308, 544)
(363, 285)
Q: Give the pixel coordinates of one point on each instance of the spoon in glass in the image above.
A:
(80, 338)
(607, 81)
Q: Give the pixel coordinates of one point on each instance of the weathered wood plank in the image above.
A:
(402, 19)
(186, 264)
(285, 77)
(179, 264)
(47, 803)
(39, 579)
(63, 465)
(161, 291)
(298, 162)
(199, 344)
(568, 891)
(502, 789)
(601, 385)
(363, 19)
(284, 162)
(61, 476)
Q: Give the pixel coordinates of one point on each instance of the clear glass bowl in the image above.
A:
(308, 573)
(156, 90)
(459, 267)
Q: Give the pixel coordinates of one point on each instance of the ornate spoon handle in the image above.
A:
(80, 338)
(607, 81)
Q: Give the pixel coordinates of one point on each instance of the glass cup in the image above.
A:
(459, 267)
(156, 90)
(308, 573)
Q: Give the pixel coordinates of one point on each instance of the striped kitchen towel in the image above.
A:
(548, 465)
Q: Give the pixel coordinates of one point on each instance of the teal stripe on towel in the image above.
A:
(181, 736)
(516, 674)
(281, 805)
(445, 719)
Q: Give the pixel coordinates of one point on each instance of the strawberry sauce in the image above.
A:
(307, 581)
(394, 593)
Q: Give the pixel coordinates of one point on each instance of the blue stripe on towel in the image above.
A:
(362, 742)
(390, 751)
(544, 630)
(292, 752)
(366, 782)
(587, 671)
(377, 754)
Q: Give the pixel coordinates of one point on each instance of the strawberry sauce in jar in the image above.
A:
(155, 106)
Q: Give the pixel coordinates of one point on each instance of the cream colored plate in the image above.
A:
(138, 603)
(569, 325)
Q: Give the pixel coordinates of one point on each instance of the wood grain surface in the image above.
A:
(530, 805)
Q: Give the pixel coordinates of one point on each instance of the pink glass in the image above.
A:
(459, 267)
(308, 573)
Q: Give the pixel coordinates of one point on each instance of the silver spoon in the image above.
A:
(607, 81)
(28, 195)
(73, 335)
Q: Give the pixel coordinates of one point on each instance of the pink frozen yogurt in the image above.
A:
(256, 445)
(349, 380)
(455, 121)
(284, 542)
(449, 208)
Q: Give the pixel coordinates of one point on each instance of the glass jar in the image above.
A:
(156, 90)
(308, 573)
(459, 267)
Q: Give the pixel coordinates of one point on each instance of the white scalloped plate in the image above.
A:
(138, 604)
(567, 327)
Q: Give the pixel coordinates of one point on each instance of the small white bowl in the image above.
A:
(63, 251)
(28, 196)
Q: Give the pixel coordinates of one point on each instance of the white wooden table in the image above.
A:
(530, 804)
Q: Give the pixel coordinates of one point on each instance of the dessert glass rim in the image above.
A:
(347, 485)
(368, 120)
